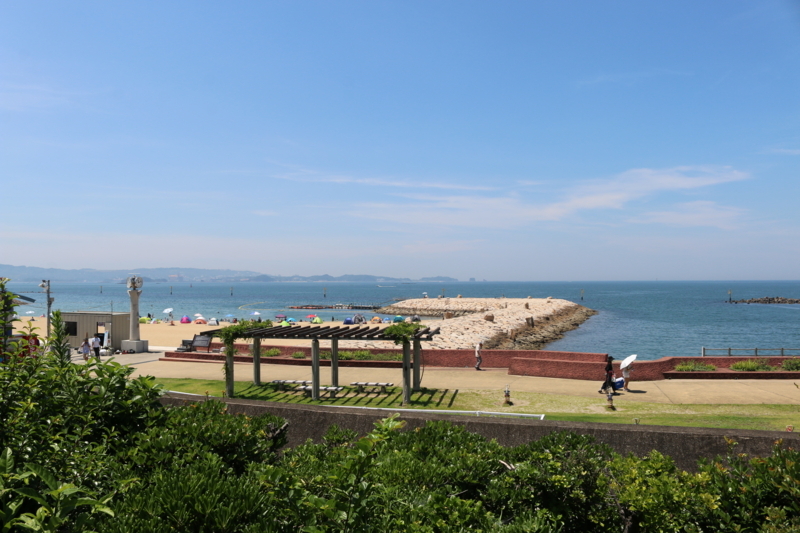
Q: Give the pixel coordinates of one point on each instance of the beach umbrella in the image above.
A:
(198, 314)
(291, 320)
(255, 313)
(167, 310)
(310, 316)
(627, 361)
(29, 312)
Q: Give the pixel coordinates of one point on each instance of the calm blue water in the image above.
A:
(652, 319)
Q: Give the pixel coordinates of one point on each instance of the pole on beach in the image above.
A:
(45, 284)
(257, 361)
(334, 362)
(417, 353)
(406, 372)
(315, 369)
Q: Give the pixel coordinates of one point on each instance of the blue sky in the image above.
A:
(500, 140)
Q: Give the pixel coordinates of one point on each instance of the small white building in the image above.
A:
(83, 324)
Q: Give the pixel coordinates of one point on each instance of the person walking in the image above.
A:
(626, 374)
(84, 349)
(478, 358)
(608, 383)
(96, 345)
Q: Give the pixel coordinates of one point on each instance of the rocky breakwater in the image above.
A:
(502, 323)
(768, 300)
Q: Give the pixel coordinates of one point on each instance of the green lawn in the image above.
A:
(555, 407)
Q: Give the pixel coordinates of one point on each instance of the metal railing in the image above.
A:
(747, 352)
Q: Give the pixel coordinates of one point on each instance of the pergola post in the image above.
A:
(256, 349)
(406, 372)
(315, 369)
(334, 362)
(417, 352)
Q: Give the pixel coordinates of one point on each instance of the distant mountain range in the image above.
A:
(26, 273)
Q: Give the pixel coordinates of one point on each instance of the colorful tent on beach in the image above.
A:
(186, 320)
(316, 320)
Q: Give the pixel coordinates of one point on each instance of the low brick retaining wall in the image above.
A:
(684, 444)
(657, 370)
(539, 363)
(441, 358)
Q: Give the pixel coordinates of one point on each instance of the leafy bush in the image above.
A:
(299, 355)
(402, 331)
(272, 352)
(791, 365)
(362, 355)
(191, 431)
(752, 365)
(694, 366)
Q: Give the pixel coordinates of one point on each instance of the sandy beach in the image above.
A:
(552, 317)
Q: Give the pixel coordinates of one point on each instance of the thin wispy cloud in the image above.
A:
(510, 211)
(380, 182)
(19, 97)
(696, 214)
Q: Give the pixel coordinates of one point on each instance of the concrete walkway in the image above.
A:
(676, 391)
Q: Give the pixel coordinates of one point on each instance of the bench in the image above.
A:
(361, 385)
(186, 346)
(281, 383)
(330, 390)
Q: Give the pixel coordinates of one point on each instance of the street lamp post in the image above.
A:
(45, 284)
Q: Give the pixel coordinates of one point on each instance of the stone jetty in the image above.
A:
(507, 323)
(768, 300)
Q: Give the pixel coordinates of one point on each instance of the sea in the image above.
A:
(652, 319)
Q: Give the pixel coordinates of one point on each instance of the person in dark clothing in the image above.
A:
(608, 383)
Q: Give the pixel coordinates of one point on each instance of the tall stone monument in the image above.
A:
(134, 343)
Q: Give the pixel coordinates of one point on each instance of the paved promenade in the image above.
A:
(676, 391)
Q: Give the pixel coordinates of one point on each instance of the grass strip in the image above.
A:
(555, 407)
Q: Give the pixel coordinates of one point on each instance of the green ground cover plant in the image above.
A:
(752, 365)
(299, 355)
(791, 365)
(272, 352)
(694, 366)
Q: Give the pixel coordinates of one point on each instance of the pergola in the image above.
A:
(411, 366)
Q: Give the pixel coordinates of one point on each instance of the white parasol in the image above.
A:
(167, 310)
(198, 314)
(627, 361)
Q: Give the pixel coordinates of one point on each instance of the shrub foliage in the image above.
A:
(752, 365)
(694, 366)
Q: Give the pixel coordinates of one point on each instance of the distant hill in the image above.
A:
(177, 274)
(26, 273)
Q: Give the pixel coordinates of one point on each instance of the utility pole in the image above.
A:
(45, 284)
